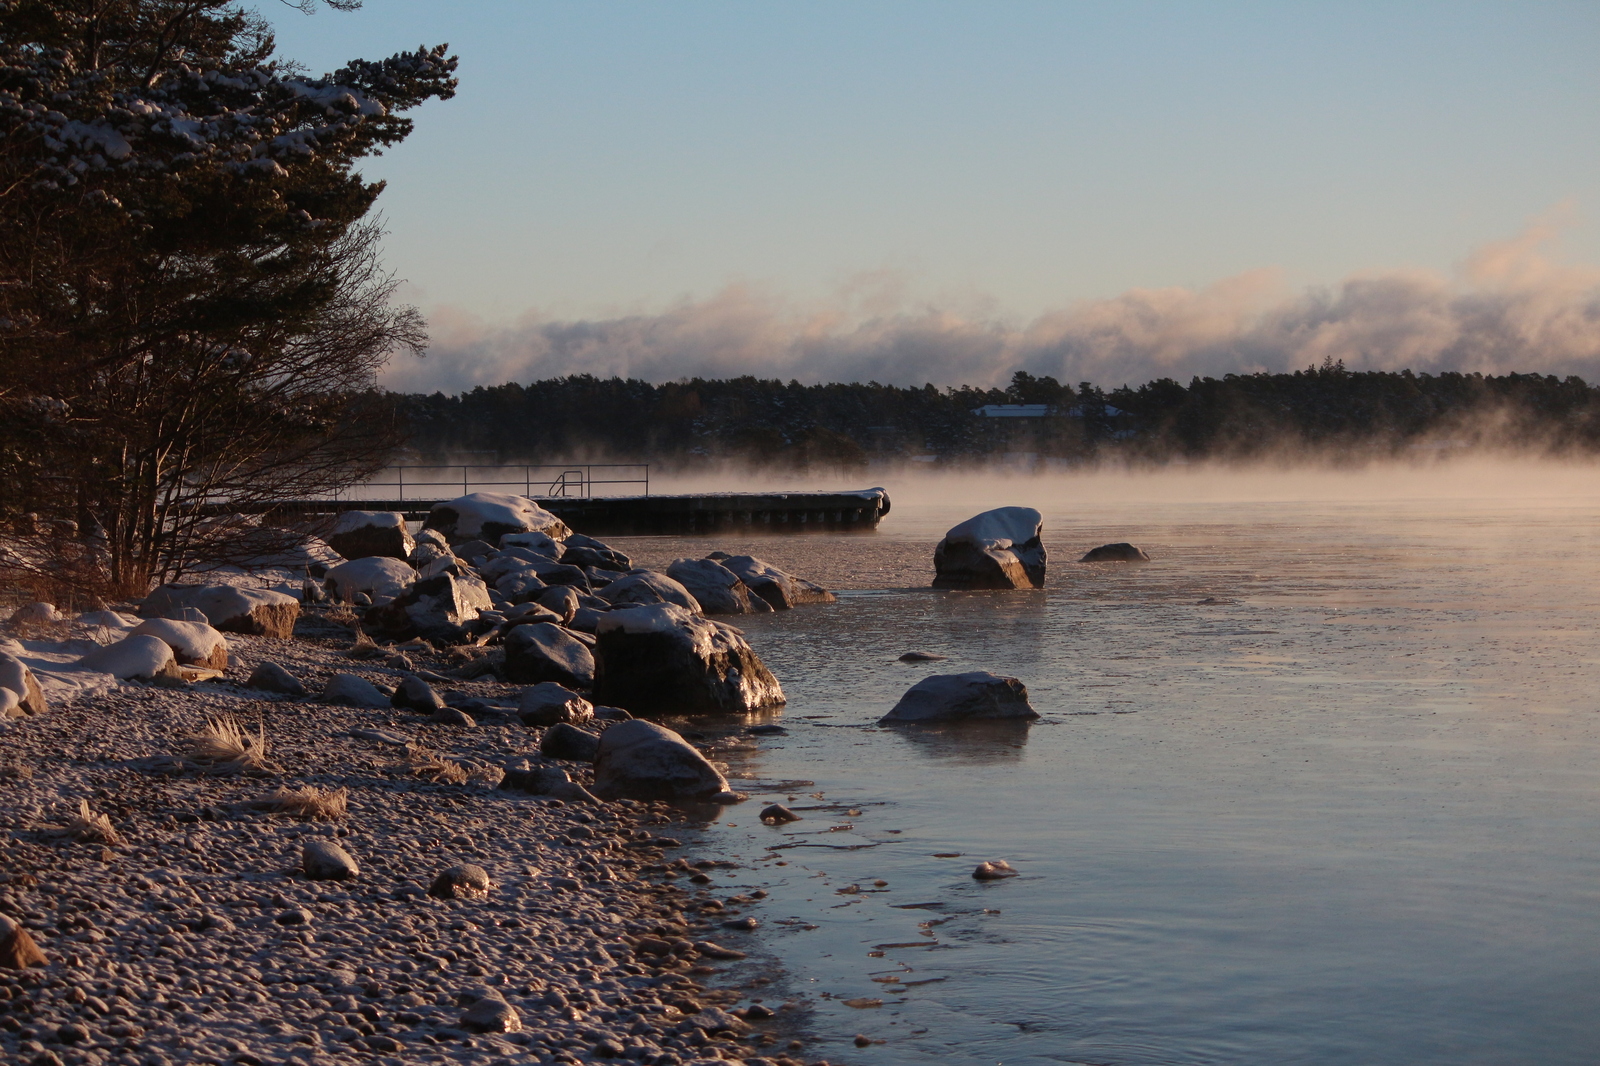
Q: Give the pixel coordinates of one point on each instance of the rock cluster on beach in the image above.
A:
(364, 839)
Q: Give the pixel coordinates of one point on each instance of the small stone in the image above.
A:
(758, 1013)
(452, 716)
(354, 691)
(563, 741)
(415, 694)
(921, 657)
(323, 860)
(17, 948)
(294, 916)
(461, 882)
(778, 814)
(270, 677)
(491, 1014)
(717, 951)
(742, 925)
(607, 1049)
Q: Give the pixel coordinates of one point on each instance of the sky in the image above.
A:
(947, 191)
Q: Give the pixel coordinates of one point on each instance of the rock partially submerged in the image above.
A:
(644, 761)
(361, 534)
(1121, 552)
(661, 658)
(781, 590)
(994, 870)
(978, 695)
(717, 589)
(997, 549)
(260, 612)
(490, 516)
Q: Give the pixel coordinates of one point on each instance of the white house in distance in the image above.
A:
(1035, 410)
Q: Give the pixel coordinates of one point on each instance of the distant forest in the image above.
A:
(760, 422)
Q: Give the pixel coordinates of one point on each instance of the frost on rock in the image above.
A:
(489, 516)
(649, 587)
(998, 549)
(662, 659)
(378, 577)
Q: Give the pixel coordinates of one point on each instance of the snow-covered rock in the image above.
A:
(379, 577)
(38, 611)
(141, 657)
(230, 608)
(997, 549)
(644, 761)
(539, 543)
(546, 652)
(661, 658)
(781, 590)
(490, 516)
(192, 643)
(19, 689)
(112, 620)
(586, 551)
(436, 607)
(648, 586)
(962, 697)
(715, 588)
(360, 534)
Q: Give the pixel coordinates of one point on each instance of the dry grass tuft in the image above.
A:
(365, 647)
(421, 762)
(15, 770)
(345, 615)
(486, 777)
(91, 827)
(224, 748)
(312, 803)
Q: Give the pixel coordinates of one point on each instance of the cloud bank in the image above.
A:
(1512, 307)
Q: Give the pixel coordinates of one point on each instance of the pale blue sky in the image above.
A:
(1003, 158)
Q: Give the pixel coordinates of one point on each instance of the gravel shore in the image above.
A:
(181, 927)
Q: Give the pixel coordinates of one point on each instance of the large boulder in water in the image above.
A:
(1122, 552)
(962, 697)
(645, 761)
(717, 589)
(362, 534)
(544, 651)
(259, 612)
(26, 695)
(663, 659)
(648, 586)
(781, 590)
(997, 549)
(490, 516)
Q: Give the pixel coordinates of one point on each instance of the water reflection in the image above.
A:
(979, 743)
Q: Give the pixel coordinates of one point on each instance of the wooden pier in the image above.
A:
(695, 513)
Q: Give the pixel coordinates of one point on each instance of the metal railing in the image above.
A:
(538, 480)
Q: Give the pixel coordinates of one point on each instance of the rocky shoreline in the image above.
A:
(180, 925)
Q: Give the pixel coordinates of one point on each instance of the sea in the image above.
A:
(1319, 784)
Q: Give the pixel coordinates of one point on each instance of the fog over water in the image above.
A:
(1317, 785)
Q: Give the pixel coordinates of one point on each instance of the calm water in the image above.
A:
(1348, 813)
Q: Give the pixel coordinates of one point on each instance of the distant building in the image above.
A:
(1014, 410)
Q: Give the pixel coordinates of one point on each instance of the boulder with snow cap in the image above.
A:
(111, 620)
(648, 586)
(260, 612)
(781, 590)
(140, 657)
(715, 588)
(662, 659)
(36, 612)
(586, 551)
(644, 761)
(192, 643)
(972, 696)
(378, 577)
(997, 549)
(490, 516)
(17, 679)
(438, 608)
(539, 543)
(546, 652)
(363, 534)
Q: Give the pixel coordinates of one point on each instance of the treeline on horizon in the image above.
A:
(761, 422)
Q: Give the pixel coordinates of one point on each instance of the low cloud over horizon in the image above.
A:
(1512, 307)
